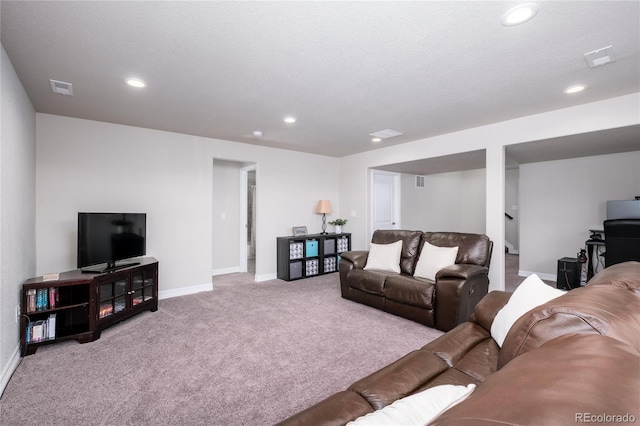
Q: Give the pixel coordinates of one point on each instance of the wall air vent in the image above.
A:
(419, 181)
(61, 87)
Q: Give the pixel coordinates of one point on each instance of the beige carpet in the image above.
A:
(242, 354)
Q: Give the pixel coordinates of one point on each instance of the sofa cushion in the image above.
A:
(400, 378)
(468, 349)
(409, 290)
(626, 275)
(608, 310)
(474, 249)
(568, 377)
(433, 258)
(417, 409)
(411, 241)
(530, 293)
(384, 257)
(337, 409)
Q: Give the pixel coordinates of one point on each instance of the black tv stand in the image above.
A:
(109, 268)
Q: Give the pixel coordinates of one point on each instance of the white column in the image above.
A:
(495, 214)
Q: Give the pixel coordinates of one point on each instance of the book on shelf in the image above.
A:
(42, 299)
(31, 300)
(40, 330)
(37, 331)
(51, 326)
(53, 297)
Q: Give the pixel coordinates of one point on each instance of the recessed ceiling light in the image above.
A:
(257, 134)
(135, 82)
(376, 140)
(575, 88)
(290, 120)
(519, 14)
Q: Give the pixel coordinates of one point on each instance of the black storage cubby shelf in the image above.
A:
(310, 255)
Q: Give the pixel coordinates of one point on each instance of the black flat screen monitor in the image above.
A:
(110, 237)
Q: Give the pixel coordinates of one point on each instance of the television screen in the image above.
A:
(109, 237)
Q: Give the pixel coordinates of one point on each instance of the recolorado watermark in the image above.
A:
(605, 418)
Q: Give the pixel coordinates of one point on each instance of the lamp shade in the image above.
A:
(324, 206)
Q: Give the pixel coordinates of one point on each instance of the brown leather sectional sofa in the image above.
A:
(572, 360)
(443, 303)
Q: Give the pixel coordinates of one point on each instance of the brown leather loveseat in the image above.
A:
(574, 359)
(443, 302)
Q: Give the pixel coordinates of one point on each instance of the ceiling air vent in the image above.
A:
(419, 181)
(61, 87)
(385, 134)
(600, 57)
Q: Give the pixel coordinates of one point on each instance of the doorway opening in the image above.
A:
(248, 191)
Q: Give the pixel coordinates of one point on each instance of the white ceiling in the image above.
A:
(344, 69)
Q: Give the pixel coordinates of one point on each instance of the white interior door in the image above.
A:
(385, 200)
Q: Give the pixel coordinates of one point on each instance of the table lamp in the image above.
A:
(324, 207)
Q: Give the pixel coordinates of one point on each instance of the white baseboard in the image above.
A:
(542, 276)
(266, 277)
(8, 370)
(224, 271)
(510, 248)
(166, 294)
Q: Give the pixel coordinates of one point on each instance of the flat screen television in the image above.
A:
(623, 209)
(105, 238)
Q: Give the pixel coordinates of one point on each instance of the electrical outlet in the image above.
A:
(17, 313)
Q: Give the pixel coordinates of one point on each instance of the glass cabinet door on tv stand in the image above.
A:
(125, 292)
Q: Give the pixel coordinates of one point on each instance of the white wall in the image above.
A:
(92, 166)
(354, 187)
(561, 200)
(17, 209)
(448, 201)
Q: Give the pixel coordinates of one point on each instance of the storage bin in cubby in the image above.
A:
(343, 244)
(329, 246)
(312, 248)
(295, 270)
(330, 264)
(312, 267)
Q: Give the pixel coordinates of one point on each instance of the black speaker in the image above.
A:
(568, 273)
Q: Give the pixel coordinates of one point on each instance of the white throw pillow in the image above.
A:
(530, 293)
(417, 409)
(433, 258)
(384, 257)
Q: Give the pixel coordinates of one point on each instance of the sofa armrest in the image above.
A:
(357, 258)
(459, 288)
(461, 271)
(350, 260)
(487, 309)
